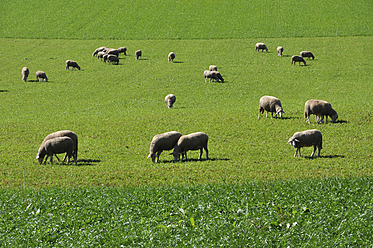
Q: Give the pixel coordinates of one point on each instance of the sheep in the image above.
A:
(112, 58)
(261, 46)
(138, 54)
(193, 141)
(104, 57)
(319, 108)
(171, 56)
(100, 55)
(122, 50)
(42, 75)
(25, 72)
(213, 75)
(213, 68)
(280, 49)
(64, 133)
(170, 100)
(161, 142)
(305, 139)
(297, 58)
(270, 104)
(73, 64)
(100, 49)
(307, 54)
(55, 146)
(113, 52)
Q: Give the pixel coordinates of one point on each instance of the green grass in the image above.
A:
(299, 213)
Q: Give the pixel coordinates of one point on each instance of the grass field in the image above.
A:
(116, 110)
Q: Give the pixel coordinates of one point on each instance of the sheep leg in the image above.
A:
(207, 153)
(75, 159)
(64, 159)
(157, 155)
(51, 160)
(314, 149)
(200, 153)
(319, 151)
(266, 114)
(308, 120)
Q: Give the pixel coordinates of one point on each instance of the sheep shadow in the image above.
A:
(289, 118)
(341, 121)
(3, 91)
(327, 156)
(178, 62)
(287, 56)
(87, 162)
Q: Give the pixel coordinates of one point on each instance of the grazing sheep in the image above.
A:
(270, 104)
(307, 54)
(55, 146)
(123, 50)
(73, 64)
(213, 68)
(297, 58)
(305, 139)
(64, 133)
(193, 141)
(42, 75)
(100, 49)
(113, 52)
(280, 50)
(170, 100)
(171, 57)
(112, 58)
(104, 57)
(261, 46)
(213, 75)
(100, 55)
(25, 73)
(319, 108)
(138, 54)
(161, 142)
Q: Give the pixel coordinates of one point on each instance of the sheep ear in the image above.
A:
(149, 155)
(296, 140)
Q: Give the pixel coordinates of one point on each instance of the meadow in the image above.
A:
(117, 109)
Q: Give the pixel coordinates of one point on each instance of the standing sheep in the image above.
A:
(112, 58)
(100, 49)
(319, 108)
(55, 146)
(42, 75)
(64, 133)
(297, 58)
(161, 142)
(138, 54)
(305, 139)
(170, 100)
(213, 75)
(260, 46)
(25, 73)
(123, 50)
(100, 55)
(73, 64)
(270, 104)
(193, 141)
(171, 57)
(307, 54)
(213, 68)
(104, 57)
(113, 52)
(280, 50)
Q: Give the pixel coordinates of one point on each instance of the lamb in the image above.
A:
(270, 104)
(55, 146)
(64, 133)
(213, 75)
(297, 58)
(307, 54)
(213, 68)
(25, 73)
(193, 141)
(42, 75)
(161, 142)
(112, 58)
(171, 57)
(319, 108)
(100, 55)
(305, 139)
(261, 46)
(170, 100)
(138, 54)
(113, 52)
(73, 64)
(100, 49)
(280, 49)
(123, 50)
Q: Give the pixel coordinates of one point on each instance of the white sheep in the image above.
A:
(138, 54)
(193, 141)
(319, 108)
(260, 46)
(113, 52)
(213, 75)
(112, 58)
(100, 55)
(280, 50)
(307, 54)
(123, 50)
(170, 100)
(297, 58)
(64, 133)
(213, 68)
(72, 63)
(270, 104)
(161, 142)
(25, 72)
(55, 146)
(171, 57)
(42, 75)
(305, 139)
(100, 49)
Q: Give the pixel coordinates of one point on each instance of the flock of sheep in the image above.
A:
(66, 141)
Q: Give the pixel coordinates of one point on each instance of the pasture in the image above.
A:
(117, 109)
